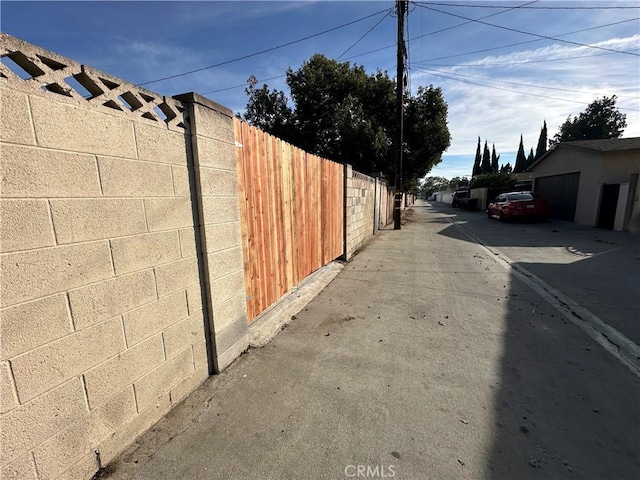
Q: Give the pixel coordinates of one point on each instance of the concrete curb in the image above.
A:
(267, 325)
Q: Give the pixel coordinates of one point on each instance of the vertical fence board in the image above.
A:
(292, 214)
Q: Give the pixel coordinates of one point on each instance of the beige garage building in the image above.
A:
(592, 182)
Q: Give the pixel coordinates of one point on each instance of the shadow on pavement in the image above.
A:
(562, 405)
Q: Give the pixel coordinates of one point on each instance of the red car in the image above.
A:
(512, 205)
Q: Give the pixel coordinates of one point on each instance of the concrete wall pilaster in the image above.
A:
(215, 190)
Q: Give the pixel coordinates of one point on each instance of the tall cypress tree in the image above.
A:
(530, 159)
(477, 170)
(494, 159)
(541, 149)
(486, 159)
(521, 160)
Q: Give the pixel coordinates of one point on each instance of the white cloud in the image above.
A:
(500, 114)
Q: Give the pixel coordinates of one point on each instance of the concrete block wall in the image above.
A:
(359, 208)
(107, 318)
(122, 283)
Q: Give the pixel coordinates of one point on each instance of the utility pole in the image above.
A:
(401, 8)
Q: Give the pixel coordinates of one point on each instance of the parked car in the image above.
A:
(508, 206)
(457, 195)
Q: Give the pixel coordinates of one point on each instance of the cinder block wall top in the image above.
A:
(102, 318)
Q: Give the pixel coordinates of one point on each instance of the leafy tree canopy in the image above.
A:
(600, 120)
(494, 180)
(507, 168)
(432, 185)
(342, 113)
(457, 182)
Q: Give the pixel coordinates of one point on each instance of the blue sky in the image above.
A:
(500, 80)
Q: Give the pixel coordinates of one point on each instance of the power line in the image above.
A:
(465, 53)
(510, 63)
(531, 8)
(529, 41)
(243, 85)
(368, 32)
(494, 48)
(525, 84)
(293, 42)
(282, 76)
(444, 29)
(471, 20)
(505, 89)
(529, 33)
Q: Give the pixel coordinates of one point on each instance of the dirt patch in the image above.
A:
(408, 216)
(331, 321)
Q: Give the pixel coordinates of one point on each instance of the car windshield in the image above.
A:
(520, 196)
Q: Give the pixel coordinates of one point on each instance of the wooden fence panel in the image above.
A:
(291, 206)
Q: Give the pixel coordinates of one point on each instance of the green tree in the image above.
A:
(457, 182)
(541, 149)
(507, 168)
(530, 159)
(268, 110)
(432, 185)
(426, 134)
(494, 159)
(341, 112)
(344, 114)
(600, 120)
(486, 159)
(521, 160)
(494, 180)
(477, 169)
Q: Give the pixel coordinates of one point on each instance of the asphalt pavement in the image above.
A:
(432, 355)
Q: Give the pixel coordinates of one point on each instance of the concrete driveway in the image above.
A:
(599, 269)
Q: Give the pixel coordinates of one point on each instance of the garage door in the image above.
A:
(562, 192)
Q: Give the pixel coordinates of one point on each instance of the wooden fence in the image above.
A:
(291, 206)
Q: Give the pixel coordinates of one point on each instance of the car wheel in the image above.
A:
(488, 213)
(502, 217)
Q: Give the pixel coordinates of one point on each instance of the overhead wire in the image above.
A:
(546, 37)
(524, 84)
(362, 37)
(505, 10)
(467, 5)
(465, 53)
(494, 48)
(243, 85)
(427, 71)
(530, 41)
(255, 54)
(511, 63)
(282, 76)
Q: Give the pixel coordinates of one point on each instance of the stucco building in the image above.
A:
(592, 182)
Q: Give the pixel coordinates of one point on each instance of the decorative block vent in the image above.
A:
(40, 69)
(362, 176)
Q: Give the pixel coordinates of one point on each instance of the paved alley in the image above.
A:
(425, 358)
